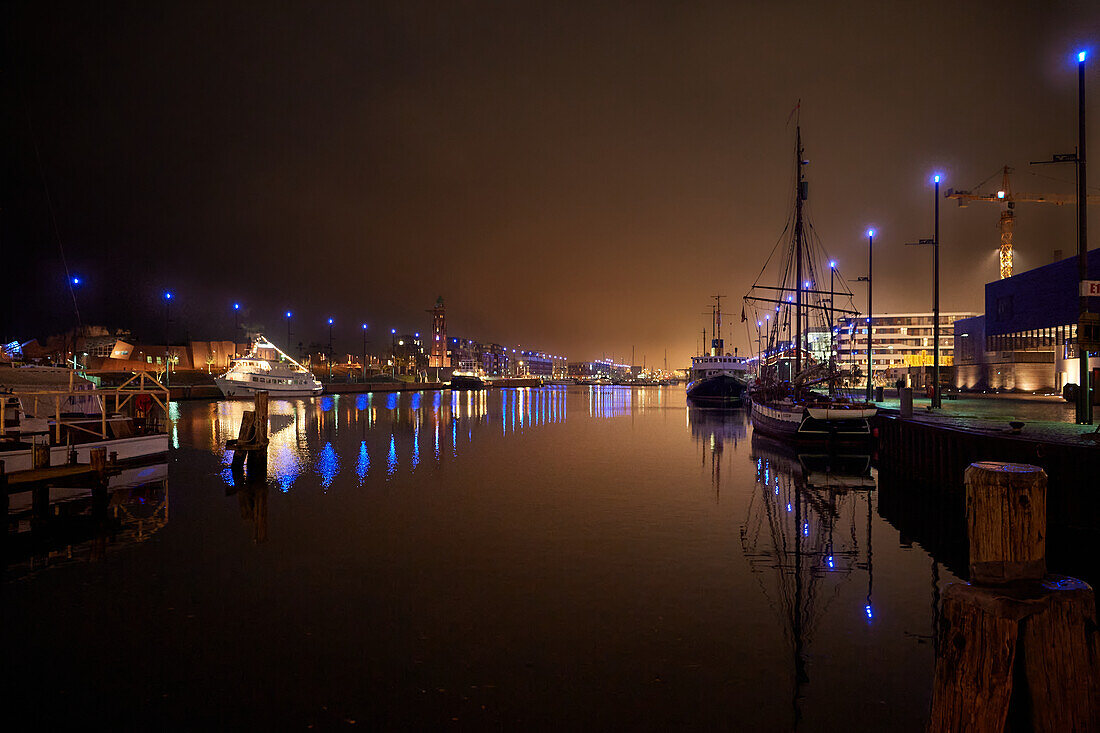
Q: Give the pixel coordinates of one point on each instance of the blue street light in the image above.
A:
(167, 294)
(871, 232)
(364, 327)
(236, 306)
(832, 265)
(1081, 56)
(393, 331)
(75, 280)
(936, 178)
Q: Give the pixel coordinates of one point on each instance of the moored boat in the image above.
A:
(785, 404)
(717, 378)
(267, 368)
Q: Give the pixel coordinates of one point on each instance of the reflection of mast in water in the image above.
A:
(790, 535)
(712, 428)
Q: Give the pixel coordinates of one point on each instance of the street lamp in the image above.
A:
(167, 320)
(1084, 398)
(935, 242)
(870, 310)
(393, 352)
(364, 352)
(236, 319)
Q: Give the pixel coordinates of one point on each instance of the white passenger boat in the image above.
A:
(267, 368)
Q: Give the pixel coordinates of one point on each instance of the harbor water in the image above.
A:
(554, 558)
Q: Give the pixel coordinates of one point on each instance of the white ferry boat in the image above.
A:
(267, 368)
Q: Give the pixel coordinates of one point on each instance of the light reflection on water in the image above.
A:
(452, 418)
(569, 556)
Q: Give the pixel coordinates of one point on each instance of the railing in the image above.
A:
(140, 384)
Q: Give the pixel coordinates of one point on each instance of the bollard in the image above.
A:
(1010, 642)
(1006, 519)
(40, 455)
(906, 396)
(261, 419)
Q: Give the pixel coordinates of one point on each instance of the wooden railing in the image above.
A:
(53, 400)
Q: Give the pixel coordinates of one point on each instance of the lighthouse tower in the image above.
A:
(437, 355)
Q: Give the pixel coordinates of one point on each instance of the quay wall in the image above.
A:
(933, 457)
(211, 392)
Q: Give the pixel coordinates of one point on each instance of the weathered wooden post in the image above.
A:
(1006, 522)
(261, 419)
(98, 462)
(905, 396)
(40, 455)
(1014, 638)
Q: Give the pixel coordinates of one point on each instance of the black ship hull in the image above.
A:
(467, 382)
(721, 389)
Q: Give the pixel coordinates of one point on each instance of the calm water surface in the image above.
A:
(523, 558)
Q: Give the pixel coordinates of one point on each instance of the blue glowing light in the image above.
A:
(867, 610)
(806, 284)
(790, 508)
(328, 465)
(391, 457)
(936, 178)
(236, 306)
(330, 321)
(364, 327)
(327, 404)
(362, 467)
(361, 402)
(832, 265)
(829, 561)
(1081, 55)
(759, 324)
(288, 314)
(393, 331)
(167, 294)
(76, 281)
(871, 232)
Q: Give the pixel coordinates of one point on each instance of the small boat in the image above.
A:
(268, 369)
(717, 378)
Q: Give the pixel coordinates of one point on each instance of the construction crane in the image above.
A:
(1008, 199)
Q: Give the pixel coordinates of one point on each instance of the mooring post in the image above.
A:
(261, 419)
(1014, 638)
(905, 395)
(99, 487)
(40, 455)
(1006, 522)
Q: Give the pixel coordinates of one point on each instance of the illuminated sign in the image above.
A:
(1090, 287)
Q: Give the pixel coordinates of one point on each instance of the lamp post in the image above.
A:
(832, 318)
(364, 352)
(870, 310)
(167, 320)
(393, 352)
(1084, 399)
(288, 315)
(936, 403)
(935, 242)
(236, 320)
(330, 349)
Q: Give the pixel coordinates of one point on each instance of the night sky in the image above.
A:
(576, 177)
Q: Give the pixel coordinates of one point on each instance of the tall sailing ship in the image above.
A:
(795, 397)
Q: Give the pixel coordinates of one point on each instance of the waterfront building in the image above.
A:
(901, 341)
(495, 360)
(1026, 341)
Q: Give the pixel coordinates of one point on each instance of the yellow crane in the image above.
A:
(1008, 199)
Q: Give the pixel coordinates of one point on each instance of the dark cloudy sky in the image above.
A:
(577, 177)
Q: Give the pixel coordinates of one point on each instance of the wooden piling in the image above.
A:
(1006, 518)
(1011, 644)
(40, 455)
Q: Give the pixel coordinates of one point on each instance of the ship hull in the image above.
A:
(235, 389)
(467, 382)
(798, 424)
(721, 389)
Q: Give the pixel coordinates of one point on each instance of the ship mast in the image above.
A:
(800, 194)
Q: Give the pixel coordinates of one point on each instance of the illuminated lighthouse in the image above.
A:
(437, 356)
